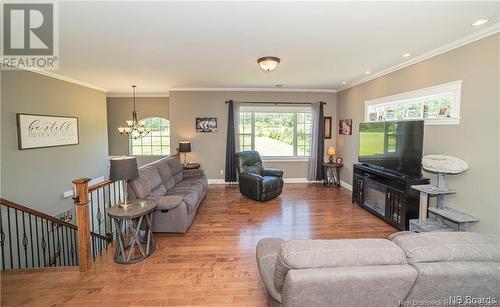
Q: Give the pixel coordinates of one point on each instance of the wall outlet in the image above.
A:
(221, 172)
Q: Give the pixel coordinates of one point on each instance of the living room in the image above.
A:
(187, 153)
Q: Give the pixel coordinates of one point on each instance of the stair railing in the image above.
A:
(32, 239)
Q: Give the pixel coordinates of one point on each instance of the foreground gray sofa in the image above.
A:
(178, 193)
(409, 267)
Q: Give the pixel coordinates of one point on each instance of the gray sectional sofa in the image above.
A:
(178, 193)
(409, 269)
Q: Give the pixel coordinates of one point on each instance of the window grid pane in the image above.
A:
(157, 142)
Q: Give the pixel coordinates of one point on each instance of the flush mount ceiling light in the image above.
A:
(405, 55)
(268, 63)
(343, 82)
(368, 72)
(479, 22)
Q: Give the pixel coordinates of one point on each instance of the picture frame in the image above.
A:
(339, 160)
(41, 131)
(327, 124)
(206, 124)
(345, 126)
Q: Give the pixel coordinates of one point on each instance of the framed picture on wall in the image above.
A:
(327, 124)
(37, 131)
(206, 124)
(345, 126)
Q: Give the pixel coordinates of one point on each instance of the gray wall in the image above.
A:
(120, 110)
(209, 148)
(38, 177)
(475, 139)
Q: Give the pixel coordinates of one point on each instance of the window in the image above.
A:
(155, 143)
(439, 105)
(276, 131)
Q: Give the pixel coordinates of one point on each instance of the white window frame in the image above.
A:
(276, 109)
(452, 88)
(130, 140)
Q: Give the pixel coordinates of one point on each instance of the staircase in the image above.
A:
(33, 239)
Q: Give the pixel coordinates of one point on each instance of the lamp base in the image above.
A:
(330, 159)
(124, 205)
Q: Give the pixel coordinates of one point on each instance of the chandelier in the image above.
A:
(135, 128)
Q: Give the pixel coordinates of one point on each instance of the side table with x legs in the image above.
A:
(133, 231)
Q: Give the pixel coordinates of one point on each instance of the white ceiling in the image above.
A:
(162, 46)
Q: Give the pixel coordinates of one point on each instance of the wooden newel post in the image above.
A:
(81, 200)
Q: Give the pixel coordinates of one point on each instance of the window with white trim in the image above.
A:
(156, 142)
(276, 131)
(437, 105)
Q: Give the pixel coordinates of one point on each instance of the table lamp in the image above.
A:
(184, 147)
(330, 152)
(123, 169)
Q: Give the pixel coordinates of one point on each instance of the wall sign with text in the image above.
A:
(35, 131)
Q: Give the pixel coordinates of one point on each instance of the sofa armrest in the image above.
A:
(250, 178)
(272, 172)
(192, 173)
(267, 252)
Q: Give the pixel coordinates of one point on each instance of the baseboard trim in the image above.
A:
(346, 185)
(285, 180)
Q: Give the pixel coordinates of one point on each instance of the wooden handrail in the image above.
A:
(17, 206)
(99, 185)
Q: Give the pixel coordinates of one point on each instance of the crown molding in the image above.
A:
(487, 31)
(137, 96)
(251, 89)
(64, 78)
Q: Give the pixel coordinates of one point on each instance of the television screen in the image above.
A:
(393, 146)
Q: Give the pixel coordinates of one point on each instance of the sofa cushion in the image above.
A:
(175, 168)
(190, 197)
(166, 174)
(152, 175)
(449, 246)
(159, 191)
(267, 252)
(168, 202)
(309, 254)
(140, 186)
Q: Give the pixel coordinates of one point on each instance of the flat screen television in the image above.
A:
(393, 146)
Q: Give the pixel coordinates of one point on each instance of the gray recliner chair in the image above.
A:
(255, 181)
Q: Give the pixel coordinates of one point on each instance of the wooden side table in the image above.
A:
(191, 166)
(128, 224)
(331, 174)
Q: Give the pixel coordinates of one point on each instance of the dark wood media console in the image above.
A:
(387, 195)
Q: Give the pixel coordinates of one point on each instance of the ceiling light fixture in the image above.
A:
(343, 82)
(368, 72)
(135, 128)
(479, 22)
(268, 63)
(405, 55)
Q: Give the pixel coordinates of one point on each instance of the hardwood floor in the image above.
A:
(213, 264)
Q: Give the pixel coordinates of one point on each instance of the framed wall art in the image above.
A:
(206, 124)
(38, 131)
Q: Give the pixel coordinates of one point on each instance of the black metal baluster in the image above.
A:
(37, 241)
(75, 247)
(24, 242)
(10, 239)
(54, 243)
(104, 214)
(48, 263)
(44, 244)
(17, 240)
(98, 217)
(31, 243)
(59, 248)
(92, 223)
(60, 243)
(2, 239)
(68, 260)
